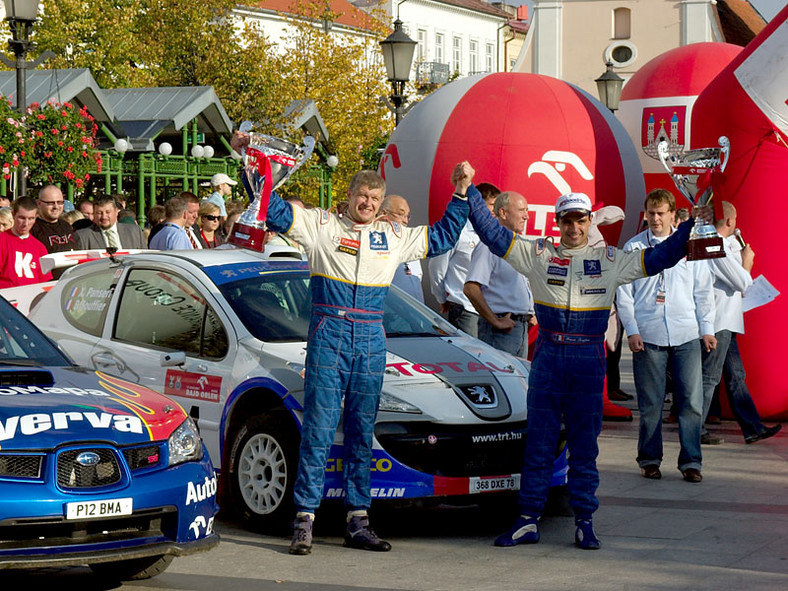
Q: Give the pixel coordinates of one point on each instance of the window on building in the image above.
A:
(421, 54)
(473, 47)
(490, 58)
(457, 54)
(622, 23)
(439, 47)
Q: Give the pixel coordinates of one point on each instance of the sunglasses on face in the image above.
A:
(212, 218)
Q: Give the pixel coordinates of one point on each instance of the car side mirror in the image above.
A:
(172, 359)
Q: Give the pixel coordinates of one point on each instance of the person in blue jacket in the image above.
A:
(573, 286)
(352, 259)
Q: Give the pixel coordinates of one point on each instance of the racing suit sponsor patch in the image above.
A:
(592, 267)
(378, 241)
(610, 252)
(551, 270)
(593, 290)
(560, 261)
(552, 281)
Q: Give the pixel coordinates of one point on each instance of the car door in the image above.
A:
(166, 335)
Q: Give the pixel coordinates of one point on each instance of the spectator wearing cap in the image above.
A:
(222, 186)
(573, 286)
(501, 295)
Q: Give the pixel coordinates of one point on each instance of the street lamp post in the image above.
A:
(398, 51)
(21, 16)
(609, 87)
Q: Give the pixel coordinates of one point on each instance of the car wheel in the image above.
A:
(135, 569)
(262, 471)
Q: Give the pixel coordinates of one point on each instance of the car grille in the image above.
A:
(456, 450)
(142, 457)
(21, 466)
(73, 475)
(160, 523)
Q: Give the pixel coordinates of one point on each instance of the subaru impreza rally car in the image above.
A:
(224, 333)
(93, 469)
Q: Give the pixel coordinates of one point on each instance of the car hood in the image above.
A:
(43, 408)
(480, 376)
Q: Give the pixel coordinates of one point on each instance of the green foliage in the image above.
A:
(61, 145)
(13, 138)
(55, 142)
(148, 43)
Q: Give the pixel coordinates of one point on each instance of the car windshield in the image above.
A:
(21, 343)
(277, 306)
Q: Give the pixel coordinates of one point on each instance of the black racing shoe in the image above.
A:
(302, 536)
(359, 535)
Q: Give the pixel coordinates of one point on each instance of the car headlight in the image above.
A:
(393, 404)
(185, 444)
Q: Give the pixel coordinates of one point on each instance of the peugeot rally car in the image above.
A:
(93, 469)
(224, 332)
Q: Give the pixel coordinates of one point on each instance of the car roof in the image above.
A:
(214, 257)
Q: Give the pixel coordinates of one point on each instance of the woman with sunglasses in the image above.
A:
(209, 220)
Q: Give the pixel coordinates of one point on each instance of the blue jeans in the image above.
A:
(726, 361)
(514, 342)
(650, 367)
(460, 317)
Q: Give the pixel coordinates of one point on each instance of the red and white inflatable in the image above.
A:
(657, 104)
(748, 102)
(528, 133)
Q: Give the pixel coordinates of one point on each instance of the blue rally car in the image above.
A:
(94, 470)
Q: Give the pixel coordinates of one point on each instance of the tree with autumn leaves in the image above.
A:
(149, 43)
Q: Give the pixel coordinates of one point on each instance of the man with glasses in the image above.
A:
(55, 234)
(106, 232)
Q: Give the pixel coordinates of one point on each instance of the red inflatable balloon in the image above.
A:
(528, 133)
(657, 103)
(747, 103)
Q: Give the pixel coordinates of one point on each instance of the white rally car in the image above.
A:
(224, 331)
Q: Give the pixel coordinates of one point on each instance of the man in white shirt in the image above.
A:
(664, 317)
(501, 295)
(447, 272)
(732, 278)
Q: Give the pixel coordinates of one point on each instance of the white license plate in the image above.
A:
(493, 484)
(99, 509)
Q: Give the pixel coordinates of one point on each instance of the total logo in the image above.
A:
(200, 491)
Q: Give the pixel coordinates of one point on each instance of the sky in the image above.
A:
(767, 8)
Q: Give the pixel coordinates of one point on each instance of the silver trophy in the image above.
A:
(267, 163)
(692, 172)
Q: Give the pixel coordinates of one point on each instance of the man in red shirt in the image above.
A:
(19, 251)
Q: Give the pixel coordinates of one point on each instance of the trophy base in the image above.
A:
(701, 249)
(245, 236)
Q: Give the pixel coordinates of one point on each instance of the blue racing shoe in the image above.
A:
(585, 536)
(524, 531)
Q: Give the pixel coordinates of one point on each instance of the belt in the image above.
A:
(515, 317)
(568, 338)
(351, 314)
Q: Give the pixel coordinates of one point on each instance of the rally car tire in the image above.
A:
(264, 456)
(136, 569)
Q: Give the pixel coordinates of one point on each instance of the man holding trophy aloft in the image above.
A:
(352, 260)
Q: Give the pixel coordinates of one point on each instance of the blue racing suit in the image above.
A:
(573, 289)
(351, 267)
